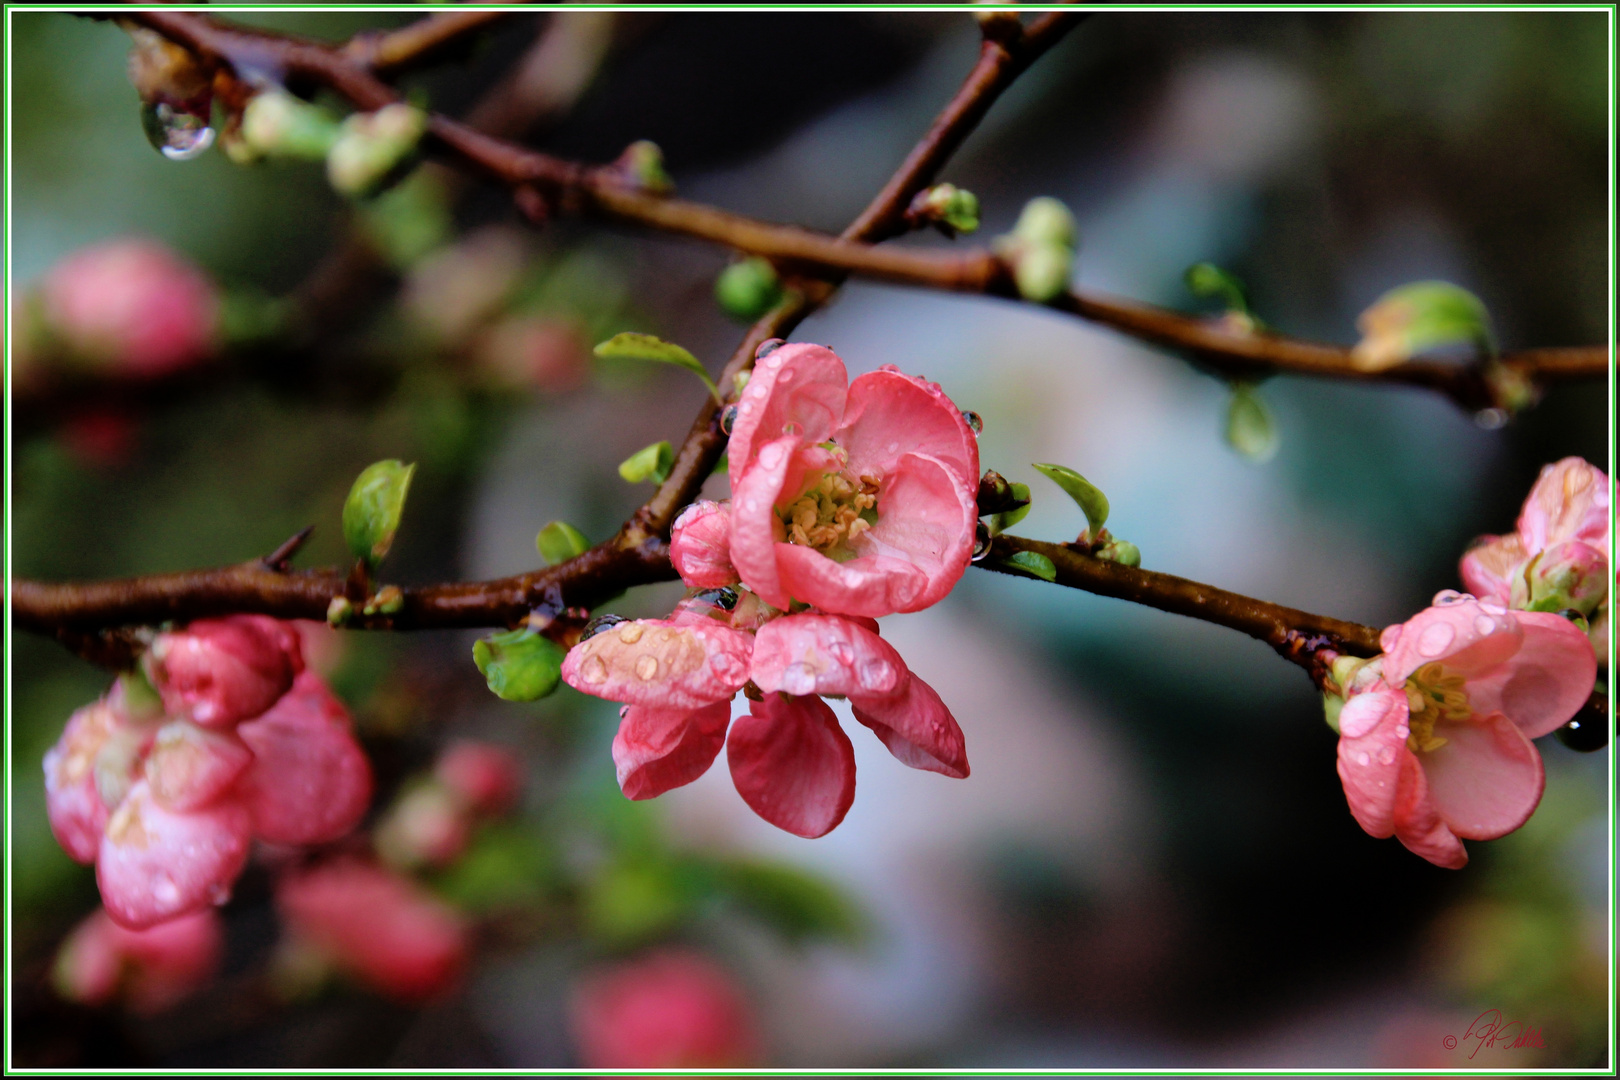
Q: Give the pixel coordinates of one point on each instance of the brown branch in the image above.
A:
(390, 52)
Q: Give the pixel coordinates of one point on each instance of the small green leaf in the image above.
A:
(1121, 551)
(519, 665)
(1413, 318)
(1005, 520)
(633, 346)
(649, 463)
(1249, 427)
(372, 511)
(559, 542)
(748, 289)
(798, 905)
(1209, 280)
(1032, 562)
(1087, 495)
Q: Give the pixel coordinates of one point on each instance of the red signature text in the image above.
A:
(1489, 1029)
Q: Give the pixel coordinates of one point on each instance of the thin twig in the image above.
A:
(389, 52)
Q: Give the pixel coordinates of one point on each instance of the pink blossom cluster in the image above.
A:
(850, 501)
(1434, 733)
(164, 796)
(147, 970)
(671, 1009)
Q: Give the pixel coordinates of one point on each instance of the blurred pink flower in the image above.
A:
(380, 927)
(1434, 737)
(132, 305)
(310, 782)
(217, 672)
(527, 352)
(429, 825)
(90, 770)
(150, 970)
(1558, 552)
(487, 777)
(155, 864)
(672, 1009)
(853, 498)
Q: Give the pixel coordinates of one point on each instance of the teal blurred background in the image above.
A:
(1152, 865)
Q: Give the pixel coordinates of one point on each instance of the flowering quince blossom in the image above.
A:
(851, 500)
(165, 799)
(150, 970)
(1434, 734)
(673, 1009)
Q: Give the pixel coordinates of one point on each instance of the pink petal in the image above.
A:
(1486, 780)
(310, 782)
(1372, 745)
(652, 662)
(90, 962)
(155, 968)
(792, 764)
(486, 776)
(1545, 682)
(798, 384)
(890, 414)
(870, 585)
(755, 528)
(190, 767)
(700, 546)
(1570, 501)
(671, 1009)
(217, 672)
(1417, 820)
(1490, 569)
(1459, 631)
(825, 654)
(660, 749)
(917, 728)
(156, 864)
(75, 808)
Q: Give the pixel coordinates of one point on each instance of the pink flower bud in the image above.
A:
(379, 926)
(488, 778)
(152, 970)
(217, 672)
(429, 826)
(189, 767)
(156, 864)
(132, 305)
(309, 782)
(1573, 576)
(1570, 501)
(87, 774)
(672, 1009)
(700, 545)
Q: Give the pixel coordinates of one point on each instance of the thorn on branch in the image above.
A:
(279, 559)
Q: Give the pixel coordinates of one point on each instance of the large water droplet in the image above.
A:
(177, 135)
(981, 542)
(842, 653)
(725, 666)
(974, 421)
(785, 375)
(599, 624)
(1386, 754)
(768, 346)
(631, 632)
(728, 418)
(646, 668)
(1484, 625)
(877, 675)
(165, 891)
(1435, 638)
(594, 670)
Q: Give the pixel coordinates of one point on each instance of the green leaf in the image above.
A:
(1413, 318)
(559, 542)
(506, 867)
(1087, 495)
(649, 463)
(798, 905)
(372, 511)
(1249, 427)
(748, 289)
(631, 902)
(1032, 562)
(1005, 520)
(519, 665)
(1207, 279)
(633, 346)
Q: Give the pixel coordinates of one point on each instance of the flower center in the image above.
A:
(830, 515)
(1434, 694)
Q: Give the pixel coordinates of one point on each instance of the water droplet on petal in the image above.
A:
(165, 891)
(974, 421)
(771, 456)
(624, 711)
(798, 679)
(768, 346)
(631, 632)
(877, 675)
(177, 135)
(1491, 419)
(1435, 639)
(594, 671)
(1484, 625)
(842, 653)
(599, 624)
(1363, 759)
(646, 668)
(785, 375)
(893, 447)
(728, 418)
(1386, 754)
(981, 542)
(725, 666)
(1447, 597)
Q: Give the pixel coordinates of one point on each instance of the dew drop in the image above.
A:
(646, 668)
(728, 418)
(1491, 419)
(894, 447)
(624, 711)
(768, 346)
(771, 456)
(725, 666)
(165, 891)
(599, 624)
(785, 375)
(877, 675)
(1435, 638)
(981, 542)
(974, 421)
(1363, 759)
(842, 653)
(724, 598)
(1386, 754)
(1484, 625)
(594, 671)
(177, 135)
(631, 632)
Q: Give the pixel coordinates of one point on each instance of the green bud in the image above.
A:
(1249, 427)
(519, 665)
(1000, 523)
(141, 700)
(277, 124)
(1042, 272)
(390, 600)
(1046, 222)
(1121, 551)
(559, 542)
(1332, 705)
(409, 220)
(748, 289)
(643, 163)
(1088, 496)
(372, 511)
(1408, 320)
(1033, 563)
(373, 148)
(339, 611)
(649, 463)
(948, 207)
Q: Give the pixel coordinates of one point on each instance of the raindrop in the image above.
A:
(595, 670)
(974, 421)
(1586, 733)
(768, 346)
(1435, 639)
(624, 711)
(728, 418)
(842, 653)
(723, 598)
(646, 668)
(631, 632)
(877, 675)
(599, 624)
(1491, 419)
(785, 375)
(1484, 625)
(165, 891)
(981, 542)
(177, 135)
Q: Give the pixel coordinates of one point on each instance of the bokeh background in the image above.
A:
(1152, 865)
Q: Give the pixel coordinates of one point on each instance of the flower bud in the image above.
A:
(428, 826)
(189, 767)
(1570, 576)
(217, 672)
(1046, 222)
(643, 164)
(80, 767)
(947, 207)
(673, 1009)
(374, 148)
(156, 864)
(748, 288)
(277, 124)
(151, 970)
(487, 777)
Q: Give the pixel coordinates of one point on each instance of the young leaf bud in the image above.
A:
(1249, 427)
(1408, 320)
(277, 124)
(748, 289)
(1092, 502)
(374, 148)
(559, 542)
(372, 511)
(649, 463)
(519, 665)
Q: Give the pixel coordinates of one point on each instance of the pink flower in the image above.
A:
(1434, 739)
(488, 778)
(380, 927)
(151, 970)
(428, 826)
(1557, 558)
(853, 498)
(310, 782)
(156, 864)
(132, 305)
(217, 672)
(1570, 501)
(700, 545)
(673, 1009)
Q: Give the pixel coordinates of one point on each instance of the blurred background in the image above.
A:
(1152, 865)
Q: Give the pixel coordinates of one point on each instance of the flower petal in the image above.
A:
(917, 728)
(660, 749)
(1486, 780)
(1372, 744)
(310, 782)
(755, 528)
(653, 662)
(792, 764)
(1417, 820)
(890, 413)
(73, 803)
(1545, 682)
(190, 766)
(216, 672)
(1570, 501)
(825, 654)
(1489, 569)
(700, 545)
(155, 864)
(798, 384)
(1458, 630)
